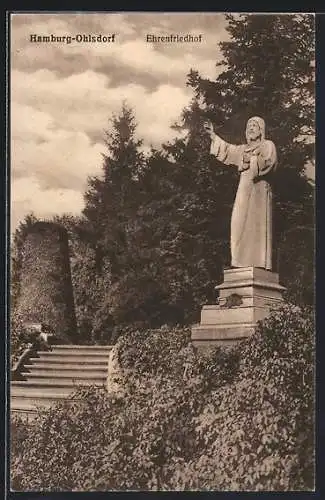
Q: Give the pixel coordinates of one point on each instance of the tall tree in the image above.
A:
(89, 283)
(269, 71)
(111, 198)
(199, 247)
(111, 203)
(16, 255)
(183, 232)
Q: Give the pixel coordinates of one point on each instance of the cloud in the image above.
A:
(54, 120)
(131, 52)
(83, 103)
(163, 107)
(28, 196)
(22, 116)
(62, 95)
(57, 157)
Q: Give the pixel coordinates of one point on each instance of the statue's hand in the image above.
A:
(246, 157)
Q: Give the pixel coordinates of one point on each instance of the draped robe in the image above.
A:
(251, 220)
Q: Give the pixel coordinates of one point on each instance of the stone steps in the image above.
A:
(71, 360)
(67, 357)
(26, 405)
(54, 375)
(39, 400)
(44, 388)
(44, 381)
(81, 349)
(71, 369)
(64, 373)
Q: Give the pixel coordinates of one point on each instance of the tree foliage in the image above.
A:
(90, 278)
(197, 246)
(280, 88)
(111, 200)
(16, 256)
(154, 235)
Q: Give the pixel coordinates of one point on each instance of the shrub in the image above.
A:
(45, 288)
(154, 352)
(19, 338)
(258, 430)
(100, 441)
(228, 419)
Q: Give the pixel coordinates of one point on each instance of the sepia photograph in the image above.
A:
(162, 251)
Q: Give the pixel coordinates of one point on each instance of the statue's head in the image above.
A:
(255, 129)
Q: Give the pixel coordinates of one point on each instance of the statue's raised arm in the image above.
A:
(226, 153)
(251, 221)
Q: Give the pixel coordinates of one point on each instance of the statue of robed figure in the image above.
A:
(251, 221)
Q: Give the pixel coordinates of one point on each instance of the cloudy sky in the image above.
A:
(63, 94)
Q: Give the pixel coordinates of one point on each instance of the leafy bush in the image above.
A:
(258, 431)
(228, 419)
(19, 339)
(23, 336)
(154, 352)
(45, 288)
(100, 441)
(19, 432)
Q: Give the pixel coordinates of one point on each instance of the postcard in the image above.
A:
(162, 228)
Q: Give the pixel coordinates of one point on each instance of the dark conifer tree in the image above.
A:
(270, 72)
(111, 200)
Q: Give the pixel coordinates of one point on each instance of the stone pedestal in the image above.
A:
(245, 297)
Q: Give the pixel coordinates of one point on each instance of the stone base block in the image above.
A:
(207, 335)
(246, 296)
